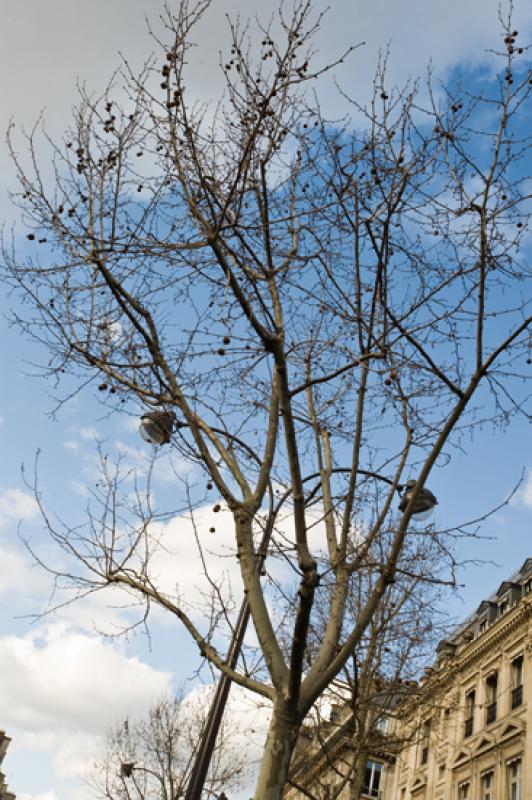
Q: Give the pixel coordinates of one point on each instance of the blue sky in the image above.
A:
(61, 682)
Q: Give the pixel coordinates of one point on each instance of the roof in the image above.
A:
(516, 579)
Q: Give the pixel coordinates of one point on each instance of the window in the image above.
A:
(445, 723)
(469, 713)
(487, 786)
(503, 606)
(528, 586)
(372, 779)
(514, 779)
(382, 725)
(463, 791)
(424, 742)
(517, 681)
(482, 626)
(491, 698)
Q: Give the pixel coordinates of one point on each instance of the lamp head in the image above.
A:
(156, 427)
(424, 505)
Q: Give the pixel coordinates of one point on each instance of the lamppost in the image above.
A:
(156, 427)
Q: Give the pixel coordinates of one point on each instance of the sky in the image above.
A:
(63, 683)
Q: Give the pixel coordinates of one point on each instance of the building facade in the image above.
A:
(324, 761)
(466, 734)
(4, 743)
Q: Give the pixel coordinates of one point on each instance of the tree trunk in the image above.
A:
(282, 738)
(357, 776)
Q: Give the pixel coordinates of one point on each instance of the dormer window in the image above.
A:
(482, 625)
(509, 593)
(527, 587)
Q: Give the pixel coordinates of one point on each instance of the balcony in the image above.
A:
(491, 713)
(468, 727)
(517, 696)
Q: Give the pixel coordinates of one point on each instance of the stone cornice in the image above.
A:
(473, 652)
(495, 634)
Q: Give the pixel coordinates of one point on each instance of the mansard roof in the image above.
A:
(514, 581)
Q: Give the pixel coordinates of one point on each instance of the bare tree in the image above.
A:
(381, 675)
(326, 307)
(151, 757)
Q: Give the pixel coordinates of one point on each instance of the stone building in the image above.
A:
(323, 761)
(4, 743)
(467, 733)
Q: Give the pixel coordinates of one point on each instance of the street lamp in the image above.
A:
(156, 427)
(424, 504)
(126, 769)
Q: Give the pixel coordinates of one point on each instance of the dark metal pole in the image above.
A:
(216, 711)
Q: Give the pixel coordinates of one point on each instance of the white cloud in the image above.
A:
(16, 505)
(46, 796)
(33, 742)
(525, 494)
(166, 466)
(29, 588)
(19, 577)
(109, 611)
(178, 569)
(88, 433)
(130, 424)
(59, 679)
(63, 37)
(176, 566)
(74, 755)
(79, 488)
(74, 446)
(60, 691)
